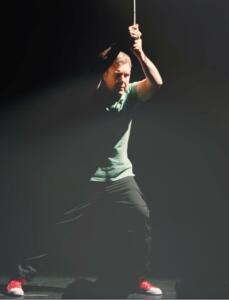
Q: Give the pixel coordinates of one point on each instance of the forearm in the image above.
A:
(146, 87)
(149, 69)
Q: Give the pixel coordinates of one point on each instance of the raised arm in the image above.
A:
(146, 87)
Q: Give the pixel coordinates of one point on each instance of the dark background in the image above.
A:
(179, 145)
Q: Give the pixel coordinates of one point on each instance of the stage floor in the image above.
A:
(50, 287)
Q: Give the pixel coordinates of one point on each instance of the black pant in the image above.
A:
(110, 226)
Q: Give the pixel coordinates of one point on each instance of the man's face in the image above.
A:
(117, 78)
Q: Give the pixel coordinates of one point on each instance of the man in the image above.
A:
(119, 217)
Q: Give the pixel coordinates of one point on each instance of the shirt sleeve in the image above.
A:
(132, 98)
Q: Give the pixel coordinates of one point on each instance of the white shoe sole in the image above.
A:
(154, 291)
(17, 292)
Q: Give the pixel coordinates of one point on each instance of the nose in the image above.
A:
(121, 78)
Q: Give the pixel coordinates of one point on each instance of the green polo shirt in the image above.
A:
(117, 164)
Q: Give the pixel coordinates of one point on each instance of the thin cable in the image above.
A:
(134, 11)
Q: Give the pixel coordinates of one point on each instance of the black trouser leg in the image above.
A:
(123, 236)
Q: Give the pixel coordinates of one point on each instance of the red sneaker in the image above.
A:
(14, 287)
(149, 287)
